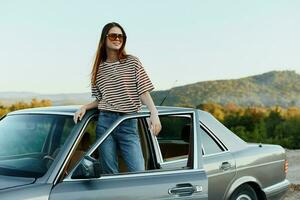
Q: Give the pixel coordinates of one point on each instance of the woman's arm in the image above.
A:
(81, 112)
(155, 124)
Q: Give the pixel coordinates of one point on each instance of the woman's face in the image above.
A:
(114, 38)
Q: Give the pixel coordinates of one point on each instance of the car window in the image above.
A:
(90, 137)
(67, 127)
(174, 138)
(174, 143)
(29, 143)
(24, 134)
(85, 142)
(209, 144)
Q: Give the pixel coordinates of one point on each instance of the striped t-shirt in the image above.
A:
(119, 85)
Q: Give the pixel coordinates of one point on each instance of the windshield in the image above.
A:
(29, 143)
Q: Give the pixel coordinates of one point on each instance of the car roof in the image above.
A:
(71, 109)
(232, 141)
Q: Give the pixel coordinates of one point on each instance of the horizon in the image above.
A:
(37, 93)
(48, 47)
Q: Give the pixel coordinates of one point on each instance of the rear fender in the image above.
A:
(239, 182)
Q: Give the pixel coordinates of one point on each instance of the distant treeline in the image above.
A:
(22, 105)
(274, 125)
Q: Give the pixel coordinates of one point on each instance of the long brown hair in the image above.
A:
(101, 55)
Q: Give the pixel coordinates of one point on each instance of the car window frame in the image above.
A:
(160, 159)
(214, 137)
(133, 174)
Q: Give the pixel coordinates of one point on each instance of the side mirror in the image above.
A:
(88, 168)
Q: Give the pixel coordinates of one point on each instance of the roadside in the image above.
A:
(293, 157)
(293, 193)
(293, 175)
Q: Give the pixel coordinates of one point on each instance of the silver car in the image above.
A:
(44, 155)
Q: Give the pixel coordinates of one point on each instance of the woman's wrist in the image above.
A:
(153, 112)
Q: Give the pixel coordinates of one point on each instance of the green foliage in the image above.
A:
(260, 125)
(248, 106)
(213, 108)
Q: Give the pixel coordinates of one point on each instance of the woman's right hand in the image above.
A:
(79, 114)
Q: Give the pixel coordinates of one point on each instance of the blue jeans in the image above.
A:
(124, 138)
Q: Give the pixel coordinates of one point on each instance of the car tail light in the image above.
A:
(286, 167)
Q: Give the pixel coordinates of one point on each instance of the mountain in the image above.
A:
(7, 98)
(272, 88)
(268, 89)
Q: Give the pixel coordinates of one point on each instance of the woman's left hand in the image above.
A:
(155, 124)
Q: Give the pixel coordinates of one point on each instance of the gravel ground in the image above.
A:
(293, 193)
(293, 175)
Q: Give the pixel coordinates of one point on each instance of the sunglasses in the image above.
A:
(114, 36)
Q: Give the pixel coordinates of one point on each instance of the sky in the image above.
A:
(48, 46)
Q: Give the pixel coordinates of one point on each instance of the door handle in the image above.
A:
(225, 166)
(185, 189)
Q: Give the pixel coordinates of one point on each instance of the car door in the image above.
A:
(219, 164)
(155, 183)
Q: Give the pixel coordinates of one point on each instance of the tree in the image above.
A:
(22, 105)
(274, 119)
(215, 109)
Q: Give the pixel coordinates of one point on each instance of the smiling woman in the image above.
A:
(119, 85)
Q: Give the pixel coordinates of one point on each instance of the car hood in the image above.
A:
(10, 181)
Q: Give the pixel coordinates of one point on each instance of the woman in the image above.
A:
(120, 85)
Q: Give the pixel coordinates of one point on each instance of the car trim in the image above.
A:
(215, 154)
(214, 137)
(72, 150)
(277, 188)
(195, 156)
(139, 174)
(195, 146)
(259, 165)
(220, 173)
(42, 113)
(158, 153)
(175, 161)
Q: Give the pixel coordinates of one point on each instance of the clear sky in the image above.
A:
(48, 46)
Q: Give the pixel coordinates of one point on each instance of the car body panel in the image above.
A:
(220, 169)
(161, 182)
(29, 192)
(228, 138)
(153, 185)
(10, 181)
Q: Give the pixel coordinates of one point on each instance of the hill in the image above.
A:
(268, 89)
(272, 88)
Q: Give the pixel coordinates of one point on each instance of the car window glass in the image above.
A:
(29, 143)
(67, 127)
(209, 144)
(28, 132)
(174, 138)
